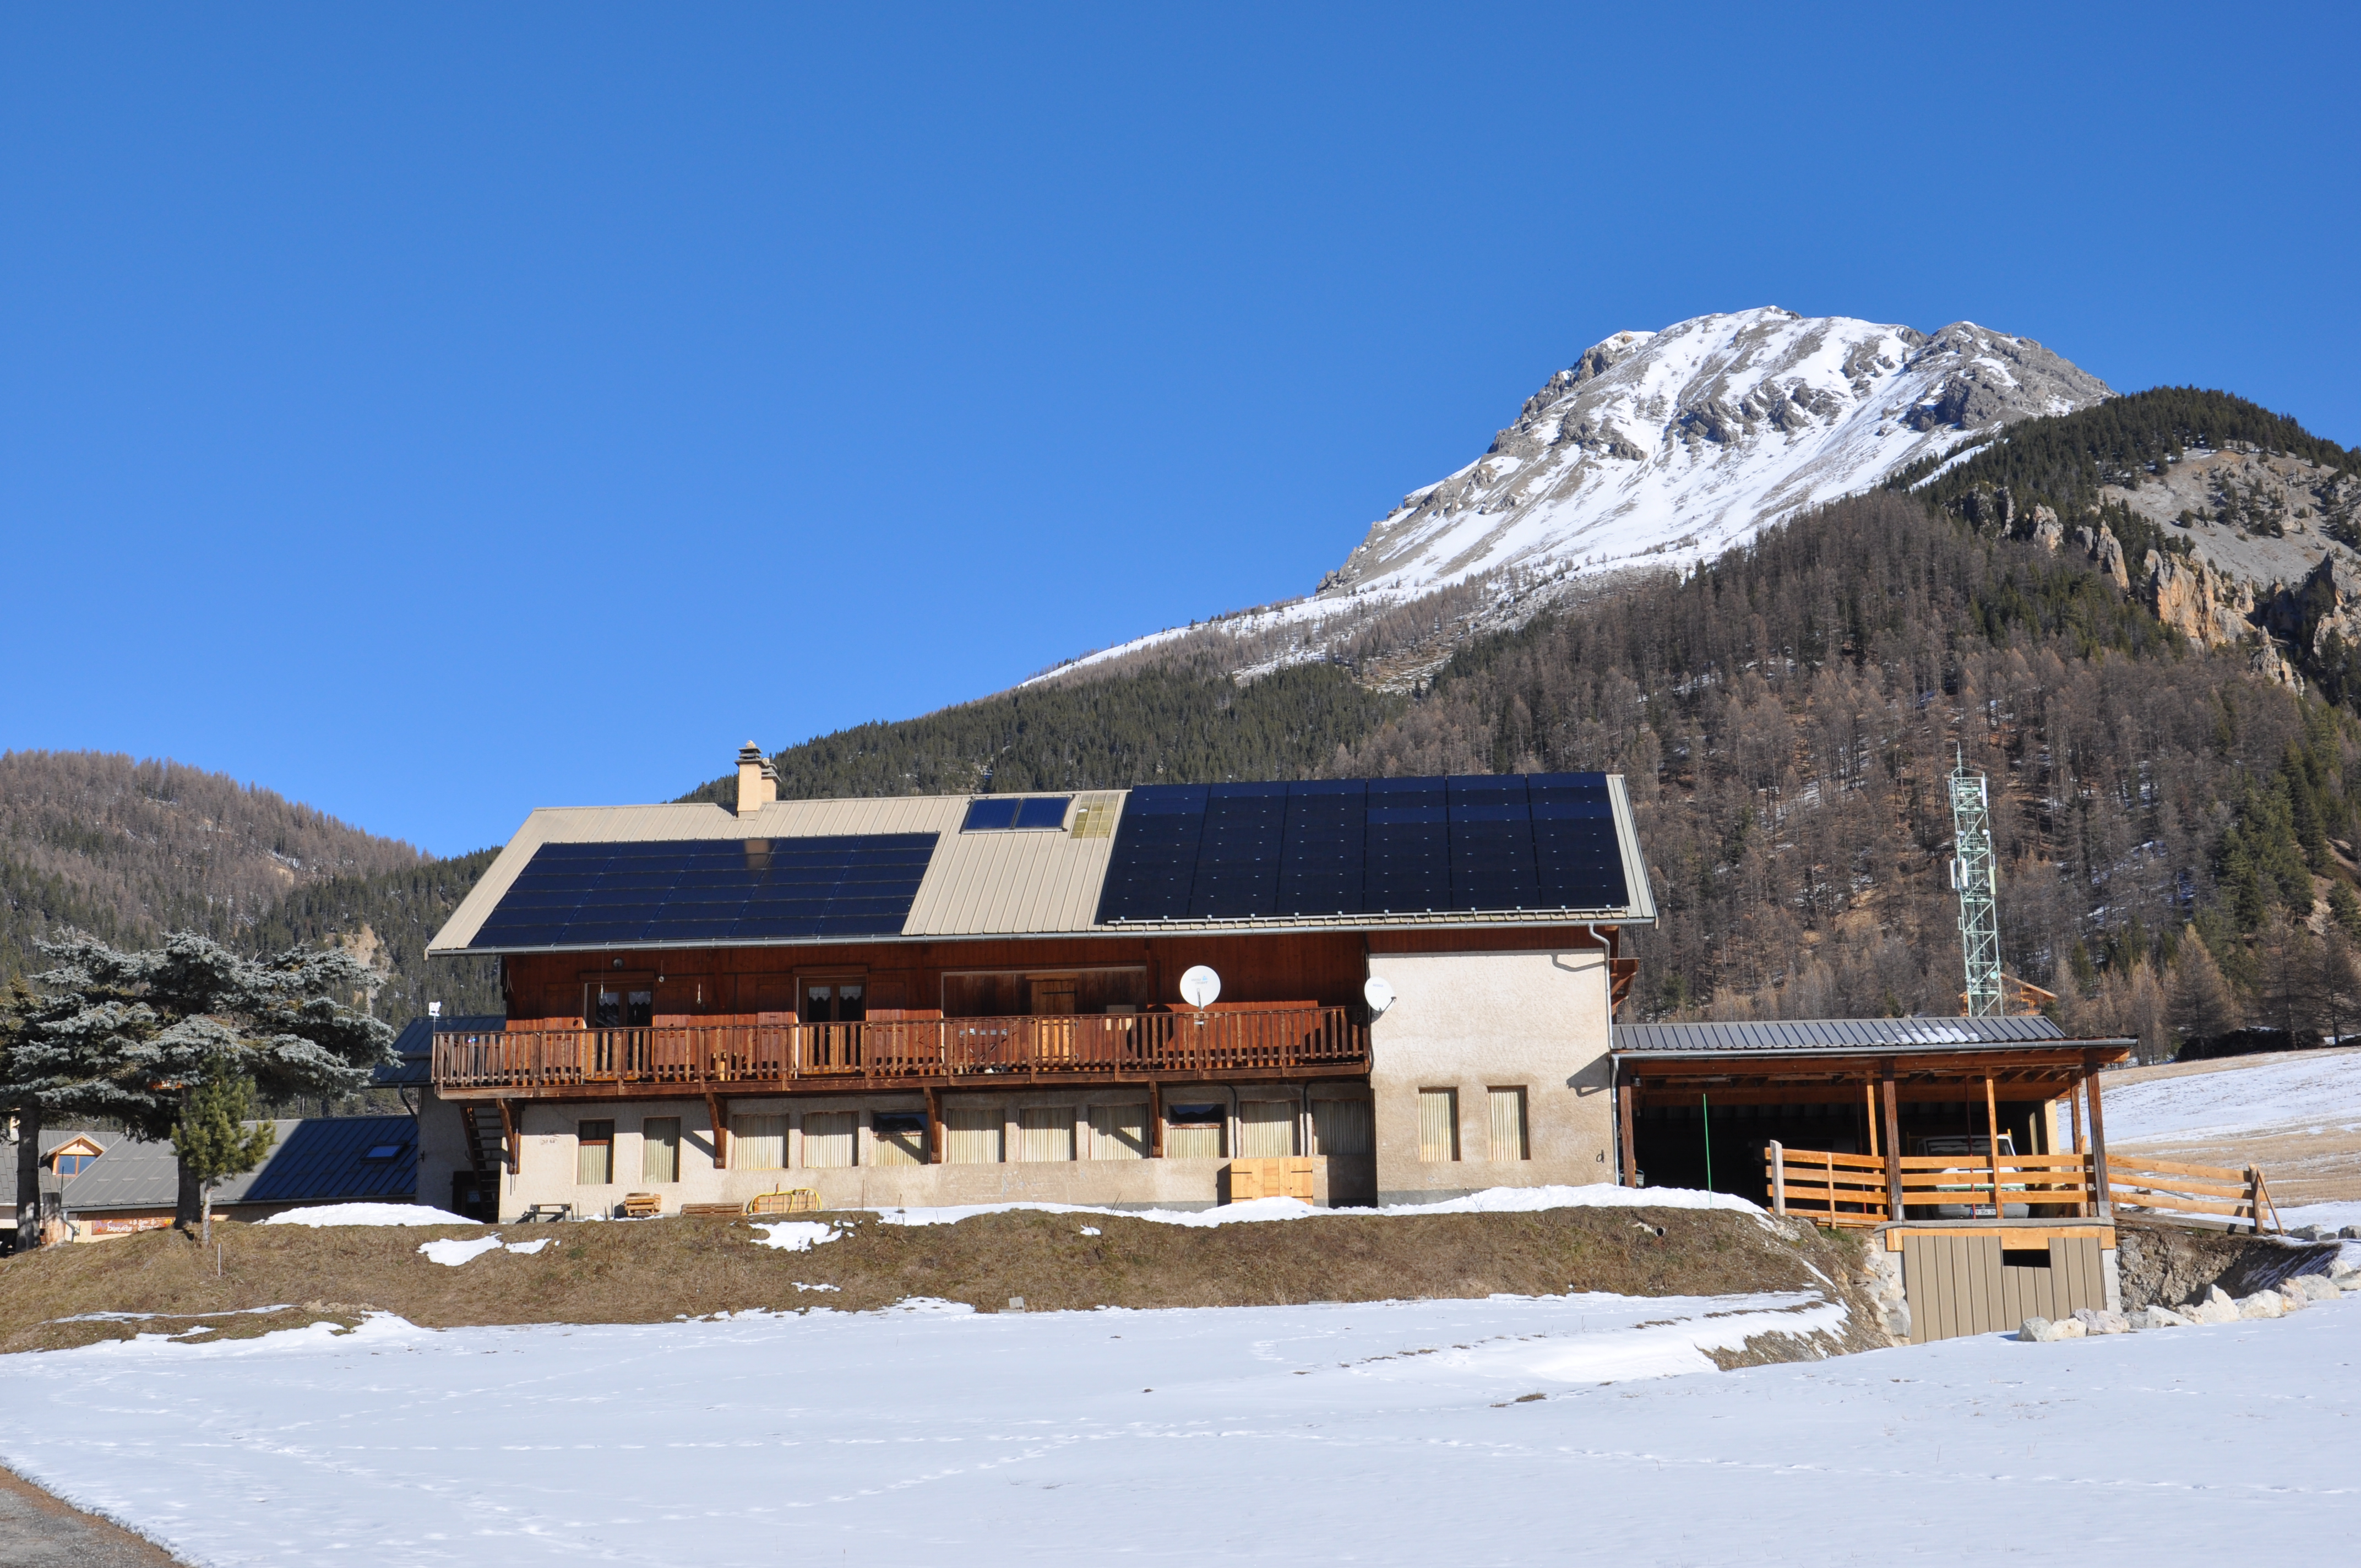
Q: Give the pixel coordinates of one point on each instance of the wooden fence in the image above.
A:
(1844, 1189)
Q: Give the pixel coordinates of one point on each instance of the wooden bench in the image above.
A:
(550, 1212)
(642, 1205)
(795, 1201)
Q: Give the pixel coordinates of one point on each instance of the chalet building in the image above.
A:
(983, 998)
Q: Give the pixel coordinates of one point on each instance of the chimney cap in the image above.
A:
(749, 752)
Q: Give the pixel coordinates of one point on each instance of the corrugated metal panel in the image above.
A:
(758, 1143)
(983, 885)
(1342, 1126)
(1438, 1124)
(1508, 1107)
(1266, 1129)
(1770, 1036)
(1045, 1134)
(972, 1135)
(828, 1139)
(1119, 1131)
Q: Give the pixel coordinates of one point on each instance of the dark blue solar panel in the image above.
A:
(1043, 811)
(990, 814)
(710, 890)
(1493, 843)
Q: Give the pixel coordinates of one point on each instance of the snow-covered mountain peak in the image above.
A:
(1664, 447)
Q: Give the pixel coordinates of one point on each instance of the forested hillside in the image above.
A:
(1144, 727)
(1786, 717)
(128, 850)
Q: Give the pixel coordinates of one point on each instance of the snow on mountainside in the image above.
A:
(1674, 445)
(1654, 449)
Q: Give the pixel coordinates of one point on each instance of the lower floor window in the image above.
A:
(660, 1149)
(1438, 1124)
(1342, 1126)
(972, 1135)
(758, 1143)
(1192, 1132)
(1508, 1125)
(828, 1137)
(1119, 1131)
(1047, 1133)
(1266, 1129)
(594, 1153)
(897, 1137)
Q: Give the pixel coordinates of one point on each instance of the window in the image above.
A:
(758, 1143)
(1266, 1129)
(835, 1001)
(1341, 1127)
(1192, 1132)
(1438, 1124)
(828, 1139)
(1045, 1134)
(897, 1137)
(1011, 813)
(660, 1149)
(1119, 1131)
(385, 1151)
(74, 1164)
(594, 1153)
(972, 1135)
(1508, 1125)
(621, 1006)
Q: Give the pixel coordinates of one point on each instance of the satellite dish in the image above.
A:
(1378, 994)
(1200, 986)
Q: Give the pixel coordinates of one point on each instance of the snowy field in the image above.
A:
(2297, 1091)
(1363, 1433)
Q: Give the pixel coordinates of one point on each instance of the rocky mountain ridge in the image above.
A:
(1654, 450)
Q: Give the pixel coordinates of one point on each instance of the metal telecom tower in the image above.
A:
(1977, 879)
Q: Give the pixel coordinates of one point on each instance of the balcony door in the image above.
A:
(830, 1009)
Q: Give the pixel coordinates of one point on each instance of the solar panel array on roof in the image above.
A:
(710, 890)
(1331, 847)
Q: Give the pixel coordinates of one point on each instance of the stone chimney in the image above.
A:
(758, 782)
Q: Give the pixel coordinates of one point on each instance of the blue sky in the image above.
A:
(431, 413)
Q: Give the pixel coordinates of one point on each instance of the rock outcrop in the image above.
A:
(2203, 605)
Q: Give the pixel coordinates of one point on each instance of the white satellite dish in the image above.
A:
(1200, 986)
(1378, 994)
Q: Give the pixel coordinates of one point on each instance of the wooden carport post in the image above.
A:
(720, 1131)
(1893, 1141)
(1624, 1094)
(933, 1126)
(2098, 1138)
(1155, 1119)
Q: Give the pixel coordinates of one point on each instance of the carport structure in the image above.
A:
(1859, 1121)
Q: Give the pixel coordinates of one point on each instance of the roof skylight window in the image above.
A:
(384, 1151)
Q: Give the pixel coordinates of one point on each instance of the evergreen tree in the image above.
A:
(214, 1139)
(2200, 1006)
(133, 1036)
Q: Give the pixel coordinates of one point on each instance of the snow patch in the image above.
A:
(796, 1236)
(453, 1251)
(369, 1214)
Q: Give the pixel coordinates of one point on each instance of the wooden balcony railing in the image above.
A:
(1851, 1189)
(980, 1052)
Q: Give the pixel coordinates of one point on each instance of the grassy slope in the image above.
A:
(652, 1271)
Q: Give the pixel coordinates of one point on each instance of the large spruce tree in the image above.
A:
(135, 1035)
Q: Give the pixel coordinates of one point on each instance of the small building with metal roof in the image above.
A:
(1396, 989)
(134, 1184)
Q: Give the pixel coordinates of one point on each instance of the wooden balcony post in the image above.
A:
(2098, 1138)
(1779, 1177)
(720, 1125)
(1991, 1138)
(933, 1126)
(1155, 1119)
(507, 1138)
(1893, 1209)
(1624, 1094)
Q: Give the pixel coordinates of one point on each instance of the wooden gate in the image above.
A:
(1976, 1285)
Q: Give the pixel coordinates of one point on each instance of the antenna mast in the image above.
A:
(1976, 879)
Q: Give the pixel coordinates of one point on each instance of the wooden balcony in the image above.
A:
(737, 1057)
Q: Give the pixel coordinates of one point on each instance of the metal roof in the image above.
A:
(1018, 884)
(413, 1049)
(315, 1159)
(1823, 1036)
(51, 1139)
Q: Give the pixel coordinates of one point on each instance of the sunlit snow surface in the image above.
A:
(1366, 1433)
(2297, 1089)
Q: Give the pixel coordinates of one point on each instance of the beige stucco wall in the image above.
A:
(548, 1149)
(1476, 1022)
